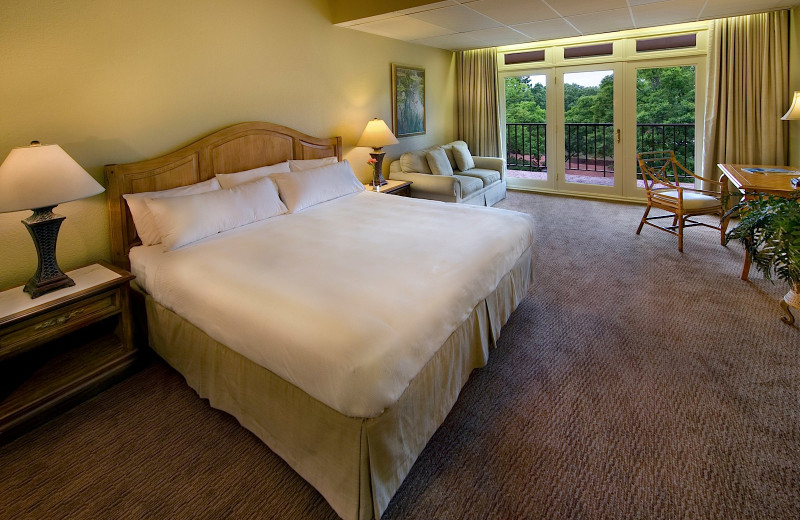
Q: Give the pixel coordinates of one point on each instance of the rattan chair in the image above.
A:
(660, 172)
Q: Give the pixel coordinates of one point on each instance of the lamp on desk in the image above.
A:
(40, 177)
(377, 135)
(794, 110)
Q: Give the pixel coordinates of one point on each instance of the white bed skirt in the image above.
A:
(357, 464)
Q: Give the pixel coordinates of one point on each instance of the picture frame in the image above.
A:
(408, 100)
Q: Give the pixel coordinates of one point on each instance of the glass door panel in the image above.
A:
(589, 131)
(526, 130)
(665, 114)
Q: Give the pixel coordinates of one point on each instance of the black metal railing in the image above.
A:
(526, 146)
(589, 146)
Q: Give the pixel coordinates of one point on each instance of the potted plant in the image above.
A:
(769, 230)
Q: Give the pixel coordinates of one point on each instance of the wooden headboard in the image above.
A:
(233, 149)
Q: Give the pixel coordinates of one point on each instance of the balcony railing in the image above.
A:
(589, 146)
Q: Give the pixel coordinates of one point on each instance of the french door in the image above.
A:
(588, 107)
(577, 129)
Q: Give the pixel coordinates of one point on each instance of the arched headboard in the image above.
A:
(236, 148)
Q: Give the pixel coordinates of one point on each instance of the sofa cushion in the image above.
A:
(462, 155)
(414, 162)
(487, 176)
(437, 160)
(469, 185)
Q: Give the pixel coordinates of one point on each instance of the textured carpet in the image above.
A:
(633, 382)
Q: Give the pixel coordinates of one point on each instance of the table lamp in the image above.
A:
(377, 135)
(40, 177)
(794, 110)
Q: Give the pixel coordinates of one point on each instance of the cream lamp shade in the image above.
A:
(40, 176)
(794, 110)
(377, 135)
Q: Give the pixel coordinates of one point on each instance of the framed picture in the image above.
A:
(408, 100)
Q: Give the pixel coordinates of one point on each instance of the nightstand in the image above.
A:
(402, 188)
(63, 346)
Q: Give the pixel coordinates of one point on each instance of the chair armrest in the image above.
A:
(491, 163)
(699, 177)
(444, 185)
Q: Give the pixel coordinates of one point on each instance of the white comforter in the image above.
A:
(347, 300)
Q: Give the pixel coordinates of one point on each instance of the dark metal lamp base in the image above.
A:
(377, 168)
(43, 227)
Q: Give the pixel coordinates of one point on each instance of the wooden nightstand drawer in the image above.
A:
(36, 331)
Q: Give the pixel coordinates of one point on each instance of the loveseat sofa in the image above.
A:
(451, 174)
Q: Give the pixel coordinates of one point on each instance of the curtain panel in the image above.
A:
(477, 99)
(747, 91)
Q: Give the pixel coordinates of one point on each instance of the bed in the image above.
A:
(313, 328)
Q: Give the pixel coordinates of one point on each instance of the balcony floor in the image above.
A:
(577, 176)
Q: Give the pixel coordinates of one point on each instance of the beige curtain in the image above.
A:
(477, 97)
(747, 91)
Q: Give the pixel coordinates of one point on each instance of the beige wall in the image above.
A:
(794, 82)
(115, 82)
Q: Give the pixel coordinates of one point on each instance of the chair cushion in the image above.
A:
(437, 160)
(694, 200)
(487, 176)
(469, 185)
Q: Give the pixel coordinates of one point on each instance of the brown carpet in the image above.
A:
(633, 382)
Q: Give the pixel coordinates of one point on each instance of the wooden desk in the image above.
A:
(754, 184)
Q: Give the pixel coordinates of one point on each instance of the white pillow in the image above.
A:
(146, 226)
(183, 220)
(300, 165)
(229, 180)
(437, 160)
(303, 189)
(462, 155)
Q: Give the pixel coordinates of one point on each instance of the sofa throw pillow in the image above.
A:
(438, 162)
(414, 162)
(463, 156)
(448, 149)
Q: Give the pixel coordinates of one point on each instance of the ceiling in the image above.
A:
(473, 24)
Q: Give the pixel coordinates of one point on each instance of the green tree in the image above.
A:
(590, 104)
(665, 95)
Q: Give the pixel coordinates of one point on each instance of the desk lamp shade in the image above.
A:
(794, 109)
(377, 135)
(40, 177)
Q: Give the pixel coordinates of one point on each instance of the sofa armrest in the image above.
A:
(491, 163)
(444, 185)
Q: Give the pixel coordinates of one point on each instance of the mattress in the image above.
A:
(347, 300)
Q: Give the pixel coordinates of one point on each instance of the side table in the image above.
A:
(402, 188)
(63, 346)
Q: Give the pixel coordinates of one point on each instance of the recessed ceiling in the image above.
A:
(473, 24)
